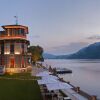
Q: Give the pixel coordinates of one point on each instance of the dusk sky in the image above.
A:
(59, 26)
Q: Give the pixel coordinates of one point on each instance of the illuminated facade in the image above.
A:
(13, 48)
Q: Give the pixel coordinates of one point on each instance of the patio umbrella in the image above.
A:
(58, 85)
(50, 76)
(44, 73)
(47, 81)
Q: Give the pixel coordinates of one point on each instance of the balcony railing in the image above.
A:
(2, 37)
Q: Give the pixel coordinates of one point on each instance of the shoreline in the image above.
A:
(76, 89)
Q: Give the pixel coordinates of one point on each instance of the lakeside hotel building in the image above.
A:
(13, 48)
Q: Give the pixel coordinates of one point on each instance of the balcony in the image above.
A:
(4, 37)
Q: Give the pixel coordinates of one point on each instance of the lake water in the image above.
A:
(86, 73)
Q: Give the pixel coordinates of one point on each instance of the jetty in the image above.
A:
(63, 71)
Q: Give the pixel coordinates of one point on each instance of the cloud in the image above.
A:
(35, 36)
(68, 49)
(94, 37)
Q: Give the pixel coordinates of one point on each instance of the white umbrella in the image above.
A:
(44, 73)
(47, 81)
(50, 77)
(58, 85)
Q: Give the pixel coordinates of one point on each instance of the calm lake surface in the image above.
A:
(86, 73)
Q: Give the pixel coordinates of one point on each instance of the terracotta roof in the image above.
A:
(15, 26)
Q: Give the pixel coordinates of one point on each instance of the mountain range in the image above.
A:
(92, 51)
(49, 56)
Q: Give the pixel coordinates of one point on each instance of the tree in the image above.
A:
(36, 52)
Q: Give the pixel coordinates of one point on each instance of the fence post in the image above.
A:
(77, 89)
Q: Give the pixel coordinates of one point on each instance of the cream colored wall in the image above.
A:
(17, 48)
(7, 48)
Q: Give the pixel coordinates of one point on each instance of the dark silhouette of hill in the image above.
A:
(92, 51)
(48, 56)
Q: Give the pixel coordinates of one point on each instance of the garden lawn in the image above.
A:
(19, 90)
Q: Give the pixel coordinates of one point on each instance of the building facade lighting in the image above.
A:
(13, 48)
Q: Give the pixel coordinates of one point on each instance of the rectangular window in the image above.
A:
(22, 48)
(7, 48)
(2, 48)
(12, 48)
(1, 60)
(19, 31)
(10, 32)
(22, 30)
